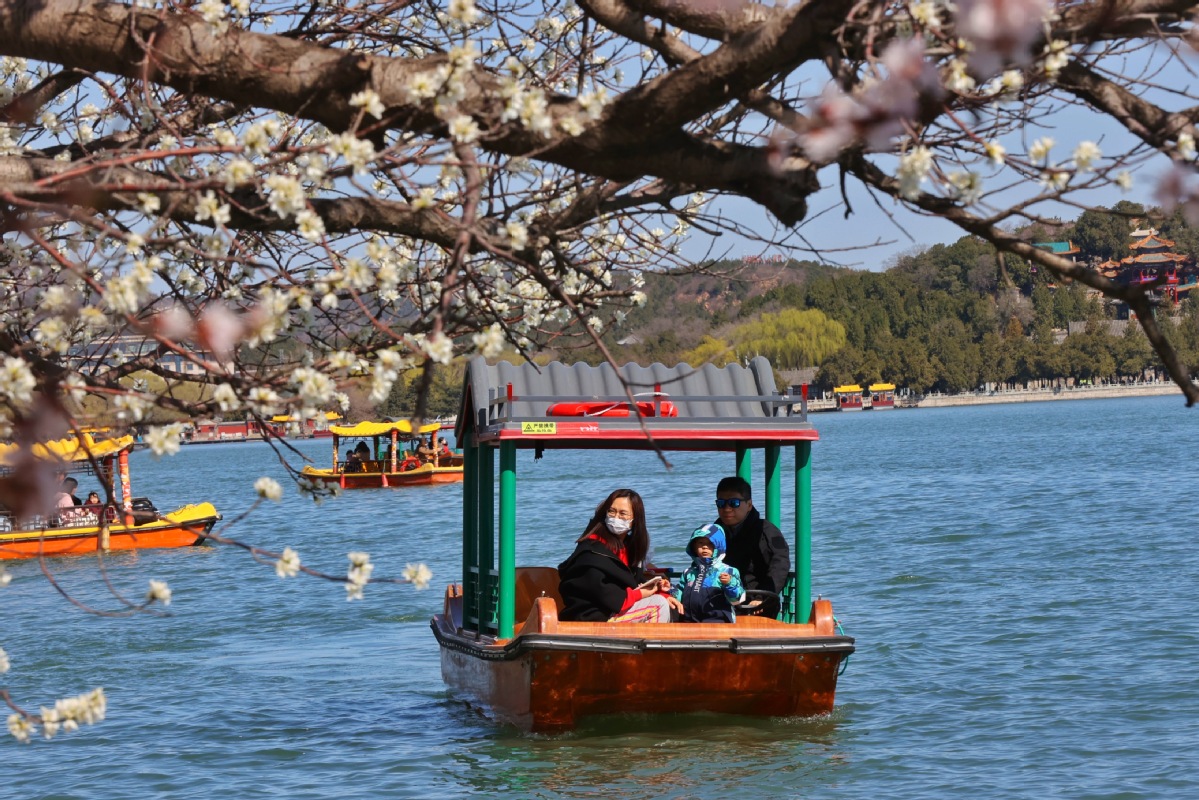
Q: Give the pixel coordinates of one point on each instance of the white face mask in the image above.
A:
(619, 526)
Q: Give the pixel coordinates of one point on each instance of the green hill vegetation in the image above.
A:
(951, 317)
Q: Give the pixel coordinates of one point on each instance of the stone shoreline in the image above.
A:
(1027, 396)
(1041, 395)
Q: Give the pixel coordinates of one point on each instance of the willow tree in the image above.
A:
(791, 338)
(382, 185)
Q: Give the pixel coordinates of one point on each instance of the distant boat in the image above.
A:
(393, 466)
(849, 397)
(882, 396)
(135, 524)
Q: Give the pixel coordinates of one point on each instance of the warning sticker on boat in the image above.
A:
(539, 427)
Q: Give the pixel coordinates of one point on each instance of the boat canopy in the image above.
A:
(71, 449)
(680, 408)
(882, 387)
(847, 389)
(404, 426)
(285, 418)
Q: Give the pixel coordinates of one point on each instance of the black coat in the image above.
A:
(594, 583)
(760, 553)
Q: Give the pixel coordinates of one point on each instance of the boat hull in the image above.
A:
(551, 674)
(182, 528)
(424, 475)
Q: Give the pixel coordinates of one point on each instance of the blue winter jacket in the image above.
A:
(700, 591)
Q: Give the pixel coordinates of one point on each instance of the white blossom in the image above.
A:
(368, 100)
(914, 167)
(1039, 151)
(310, 225)
(996, 152)
(418, 575)
(288, 565)
(17, 381)
(164, 439)
(268, 489)
(159, 591)
(1085, 155)
(463, 129)
(1186, 146)
(490, 341)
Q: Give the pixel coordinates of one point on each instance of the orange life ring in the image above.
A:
(594, 409)
(408, 464)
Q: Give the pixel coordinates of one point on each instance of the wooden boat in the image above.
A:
(849, 398)
(882, 396)
(398, 467)
(502, 643)
(135, 524)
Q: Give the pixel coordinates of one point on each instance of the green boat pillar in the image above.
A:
(803, 531)
(486, 503)
(471, 528)
(745, 465)
(507, 597)
(774, 484)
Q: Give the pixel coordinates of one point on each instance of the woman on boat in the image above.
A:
(603, 579)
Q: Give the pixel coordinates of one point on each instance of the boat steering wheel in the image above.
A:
(755, 598)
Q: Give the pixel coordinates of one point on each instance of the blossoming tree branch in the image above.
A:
(296, 199)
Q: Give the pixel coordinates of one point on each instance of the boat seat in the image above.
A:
(531, 583)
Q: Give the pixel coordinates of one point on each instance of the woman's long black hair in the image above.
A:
(636, 542)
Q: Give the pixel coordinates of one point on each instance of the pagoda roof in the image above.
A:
(1058, 248)
(1154, 258)
(1151, 241)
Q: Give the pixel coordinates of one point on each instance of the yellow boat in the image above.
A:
(134, 524)
(398, 467)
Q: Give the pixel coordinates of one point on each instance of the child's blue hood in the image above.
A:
(714, 532)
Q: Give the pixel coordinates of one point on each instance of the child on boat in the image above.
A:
(709, 588)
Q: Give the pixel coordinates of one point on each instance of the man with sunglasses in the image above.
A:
(755, 547)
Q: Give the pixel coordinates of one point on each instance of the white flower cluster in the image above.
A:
(160, 591)
(385, 372)
(288, 565)
(66, 715)
(358, 575)
(418, 575)
(914, 167)
(17, 381)
(268, 489)
(313, 387)
(490, 342)
(163, 440)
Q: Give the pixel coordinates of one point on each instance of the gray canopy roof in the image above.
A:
(712, 402)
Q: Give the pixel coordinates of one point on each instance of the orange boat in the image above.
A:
(135, 524)
(502, 643)
(395, 466)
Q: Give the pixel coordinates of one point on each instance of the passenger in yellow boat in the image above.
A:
(68, 487)
(353, 462)
(66, 494)
(604, 579)
(425, 451)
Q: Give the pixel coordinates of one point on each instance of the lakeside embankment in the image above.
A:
(936, 400)
(1041, 395)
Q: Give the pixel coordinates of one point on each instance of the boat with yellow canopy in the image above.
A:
(133, 523)
(408, 457)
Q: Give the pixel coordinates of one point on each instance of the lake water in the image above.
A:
(1022, 582)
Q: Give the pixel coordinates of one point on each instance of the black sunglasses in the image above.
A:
(734, 502)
